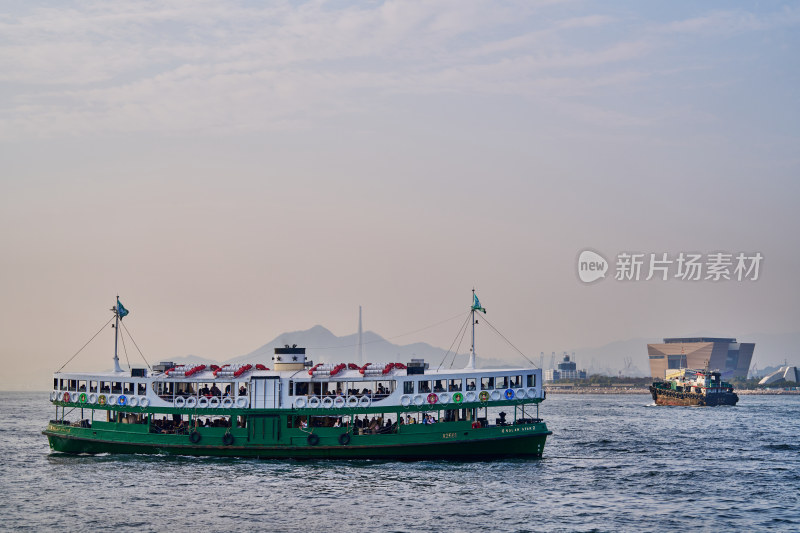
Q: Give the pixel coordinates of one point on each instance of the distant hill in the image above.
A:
(322, 346)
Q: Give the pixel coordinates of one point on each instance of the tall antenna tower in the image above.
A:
(360, 343)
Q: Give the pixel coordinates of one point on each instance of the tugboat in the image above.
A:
(299, 409)
(693, 387)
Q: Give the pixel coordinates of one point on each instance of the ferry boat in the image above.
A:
(693, 387)
(299, 409)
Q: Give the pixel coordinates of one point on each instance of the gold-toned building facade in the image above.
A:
(731, 358)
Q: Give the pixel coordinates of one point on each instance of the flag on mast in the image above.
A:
(122, 312)
(476, 304)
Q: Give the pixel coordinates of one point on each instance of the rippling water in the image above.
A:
(612, 463)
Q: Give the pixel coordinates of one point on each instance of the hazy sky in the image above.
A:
(235, 171)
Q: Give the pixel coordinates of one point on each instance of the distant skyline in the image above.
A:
(234, 171)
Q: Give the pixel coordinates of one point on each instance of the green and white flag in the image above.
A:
(121, 311)
(476, 304)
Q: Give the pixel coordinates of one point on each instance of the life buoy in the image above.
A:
(531, 393)
(65, 398)
(122, 400)
(364, 401)
(133, 402)
(93, 398)
(202, 402)
(520, 393)
(338, 402)
(195, 437)
(327, 402)
(241, 402)
(101, 399)
(458, 397)
(179, 402)
(312, 439)
(405, 401)
(444, 397)
(227, 439)
(432, 398)
(191, 401)
(53, 396)
(352, 401)
(419, 400)
(82, 397)
(344, 439)
(213, 402)
(300, 402)
(495, 395)
(144, 402)
(471, 396)
(112, 400)
(227, 403)
(509, 394)
(483, 396)
(313, 402)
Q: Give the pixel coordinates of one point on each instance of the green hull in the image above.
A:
(456, 440)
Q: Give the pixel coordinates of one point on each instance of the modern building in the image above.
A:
(786, 373)
(731, 358)
(566, 370)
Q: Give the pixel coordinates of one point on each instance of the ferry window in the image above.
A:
(424, 386)
(73, 384)
(471, 383)
(317, 389)
(454, 385)
(408, 387)
(437, 386)
(116, 387)
(82, 386)
(128, 388)
(384, 388)
(302, 388)
(516, 382)
(92, 386)
(243, 388)
(142, 388)
(291, 389)
(531, 380)
(487, 383)
(502, 382)
(55, 383)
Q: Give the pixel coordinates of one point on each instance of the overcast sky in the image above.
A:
(234, 171)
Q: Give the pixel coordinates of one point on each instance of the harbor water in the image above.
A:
(613, 463)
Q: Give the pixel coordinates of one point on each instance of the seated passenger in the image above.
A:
(242, 391)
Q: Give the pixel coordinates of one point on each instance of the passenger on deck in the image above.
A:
(228, 390)
(215, 390)
(476, 425)
(242, 391)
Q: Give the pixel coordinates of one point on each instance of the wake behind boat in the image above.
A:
(299, 410)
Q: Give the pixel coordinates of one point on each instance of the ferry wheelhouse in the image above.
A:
(298, 409)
